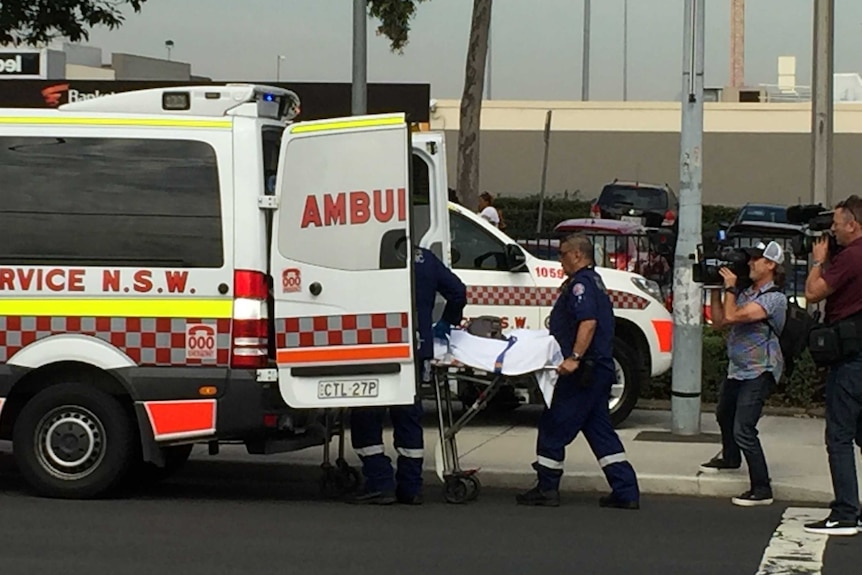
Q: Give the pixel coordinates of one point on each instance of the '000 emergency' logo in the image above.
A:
(200, 341)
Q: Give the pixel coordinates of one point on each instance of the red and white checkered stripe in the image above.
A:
(360, 329)
(541, 296)
(147, 341)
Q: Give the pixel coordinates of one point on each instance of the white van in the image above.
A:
(180, 265)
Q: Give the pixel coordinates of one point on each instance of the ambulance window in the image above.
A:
(474, 248)
(421, 190)
(271, 147)
(109, 202)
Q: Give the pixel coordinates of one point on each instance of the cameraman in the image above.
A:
(838, 280)
(755, 316)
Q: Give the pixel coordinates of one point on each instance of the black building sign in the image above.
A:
(318, 100)
(19, 64)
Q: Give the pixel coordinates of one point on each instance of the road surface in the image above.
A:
(227, 517)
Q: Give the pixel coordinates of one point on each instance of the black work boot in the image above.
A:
(536, 496)
(611, 501)
(373, 498)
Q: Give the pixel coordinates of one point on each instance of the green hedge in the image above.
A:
(521, 214)
(804, 389)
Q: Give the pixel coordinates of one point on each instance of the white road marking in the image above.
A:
(793, 551)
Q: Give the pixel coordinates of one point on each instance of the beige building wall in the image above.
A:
(752, 152)
(78, 72)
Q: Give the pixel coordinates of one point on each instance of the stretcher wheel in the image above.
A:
(348, 476)
(339, 480)
(460, 490)
(475, 487)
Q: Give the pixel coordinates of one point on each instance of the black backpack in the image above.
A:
(793, 339)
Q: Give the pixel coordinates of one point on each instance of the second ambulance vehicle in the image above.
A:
(188, 265)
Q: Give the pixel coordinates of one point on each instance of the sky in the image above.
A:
(536, 44)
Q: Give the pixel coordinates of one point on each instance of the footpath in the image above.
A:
(502, 447)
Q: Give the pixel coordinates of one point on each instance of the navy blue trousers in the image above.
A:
(583, 409)
(366, 436)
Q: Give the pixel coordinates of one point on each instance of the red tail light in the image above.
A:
(250, 285)
(249, 329)
(669, 218)
(596, 211)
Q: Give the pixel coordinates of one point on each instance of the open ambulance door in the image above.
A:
(342, 265)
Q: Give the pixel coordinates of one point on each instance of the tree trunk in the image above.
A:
(471, 105)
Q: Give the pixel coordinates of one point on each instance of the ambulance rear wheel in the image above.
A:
(626, 388)
(73, 441)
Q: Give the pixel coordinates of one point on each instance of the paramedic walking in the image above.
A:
(838, 279)
(431, 277)
(756, 317)
(582, 322)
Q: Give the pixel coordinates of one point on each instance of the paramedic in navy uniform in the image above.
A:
(582, 322)
(431, 277)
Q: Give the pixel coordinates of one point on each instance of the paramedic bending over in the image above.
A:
(582, 322)
(366, 424)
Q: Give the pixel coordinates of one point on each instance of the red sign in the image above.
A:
(355, 208)
(291, 280)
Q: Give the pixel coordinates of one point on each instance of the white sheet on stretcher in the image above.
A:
(533, 351)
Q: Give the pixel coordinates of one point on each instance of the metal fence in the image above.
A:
(652, 256)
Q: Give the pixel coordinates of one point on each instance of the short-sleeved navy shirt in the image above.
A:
(584, 297)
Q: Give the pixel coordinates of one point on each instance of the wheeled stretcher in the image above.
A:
(523, 352)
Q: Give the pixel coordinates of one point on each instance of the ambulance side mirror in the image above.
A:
(516, 261)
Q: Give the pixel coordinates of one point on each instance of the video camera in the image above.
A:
(816, 223)
(725, 255)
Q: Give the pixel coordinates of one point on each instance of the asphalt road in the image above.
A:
(222, 517)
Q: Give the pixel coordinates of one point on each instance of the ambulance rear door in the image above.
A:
(341, 264)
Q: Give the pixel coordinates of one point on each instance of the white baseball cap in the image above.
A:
(771, 251)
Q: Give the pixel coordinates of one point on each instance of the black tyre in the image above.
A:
(73, 441)
(457, 490)
(626, 390)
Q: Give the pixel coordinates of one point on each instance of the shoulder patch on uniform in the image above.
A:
(578, 289)
(418, 256)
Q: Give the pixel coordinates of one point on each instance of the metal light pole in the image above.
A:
(625, 50)
(585, 53)
(360, 58)
(169, 44)
(278, 61)
(488, 60)
(822, 104)
(688, 296)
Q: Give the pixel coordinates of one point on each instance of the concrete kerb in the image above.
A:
(698, 485)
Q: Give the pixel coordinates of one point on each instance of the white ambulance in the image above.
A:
(186, 265)
(505, 281)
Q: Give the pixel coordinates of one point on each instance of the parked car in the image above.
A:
(761, 222)
(626, 246)
(755, 223)
(649, 205)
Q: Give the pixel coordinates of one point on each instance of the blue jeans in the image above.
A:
(740, 406)
(843, 427)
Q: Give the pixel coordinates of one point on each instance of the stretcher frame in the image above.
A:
(459, 485)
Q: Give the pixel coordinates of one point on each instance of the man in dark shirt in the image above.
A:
(839, 282)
